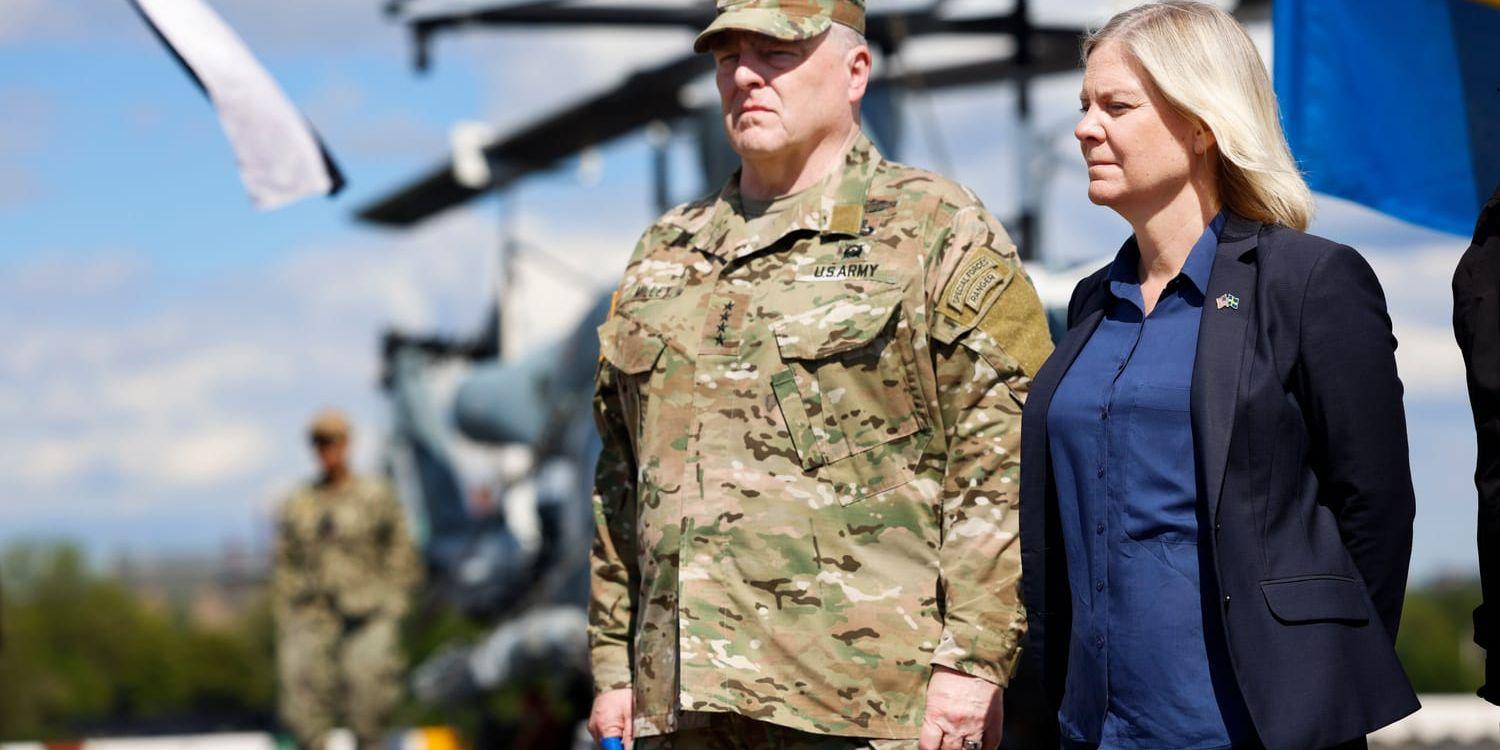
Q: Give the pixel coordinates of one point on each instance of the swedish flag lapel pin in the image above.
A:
(1228, 300)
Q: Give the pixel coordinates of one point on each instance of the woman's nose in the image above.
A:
(1088, 128)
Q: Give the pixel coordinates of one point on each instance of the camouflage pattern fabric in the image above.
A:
(343, 571)
(331, 668)
(790, 20)
(735, 732)
(808, 486)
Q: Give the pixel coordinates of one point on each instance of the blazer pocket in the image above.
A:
(1314, 598)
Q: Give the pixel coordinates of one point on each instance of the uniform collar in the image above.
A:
(834, 207)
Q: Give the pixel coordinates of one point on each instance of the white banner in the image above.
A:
(280, 158)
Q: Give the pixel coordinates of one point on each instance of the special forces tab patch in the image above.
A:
(982, 274)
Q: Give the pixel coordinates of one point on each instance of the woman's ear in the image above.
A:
(1203, 139)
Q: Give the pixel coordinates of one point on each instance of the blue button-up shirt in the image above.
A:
(1147, 666)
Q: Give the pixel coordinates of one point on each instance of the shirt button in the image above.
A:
(1099, 641)
(1099, 529)
(1098, 585)
(1100, 472)
(1226, 598)
(1104, 413)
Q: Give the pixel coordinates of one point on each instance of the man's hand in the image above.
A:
(960, 707)
(611, 715)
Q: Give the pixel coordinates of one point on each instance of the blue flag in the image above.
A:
(1394, 104)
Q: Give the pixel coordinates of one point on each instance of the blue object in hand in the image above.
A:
(612, 743)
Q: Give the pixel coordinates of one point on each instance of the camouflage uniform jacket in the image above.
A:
(811, 422)
(344, 550)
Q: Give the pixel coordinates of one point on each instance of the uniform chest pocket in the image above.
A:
(632, 349)
(846, 392)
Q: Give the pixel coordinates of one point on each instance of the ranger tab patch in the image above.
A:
(971, 287)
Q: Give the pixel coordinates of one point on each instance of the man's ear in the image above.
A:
(857, 61)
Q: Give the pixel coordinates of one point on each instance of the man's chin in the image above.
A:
(757, 143)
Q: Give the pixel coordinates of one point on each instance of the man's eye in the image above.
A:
(728, 60)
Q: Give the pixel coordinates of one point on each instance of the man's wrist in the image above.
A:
(973, 668)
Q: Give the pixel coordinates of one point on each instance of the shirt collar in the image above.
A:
(835, 206)
(1124, 272)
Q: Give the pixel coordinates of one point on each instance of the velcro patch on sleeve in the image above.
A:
(1018, 323)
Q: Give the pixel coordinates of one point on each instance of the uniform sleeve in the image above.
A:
(403, 565)
(989, 336)
(612, 560)
(288, 564)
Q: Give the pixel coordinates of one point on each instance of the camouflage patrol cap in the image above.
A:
(328, 424)
(790, 20)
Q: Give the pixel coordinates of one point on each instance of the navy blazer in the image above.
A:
(1300, 441)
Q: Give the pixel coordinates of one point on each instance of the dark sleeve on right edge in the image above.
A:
(1476, 326)
(1357, 423)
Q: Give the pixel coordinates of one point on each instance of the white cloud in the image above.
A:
(22, 18)
(44, 463)
(129, 407)
(196, 379)
(1429, 362)
(210, 456)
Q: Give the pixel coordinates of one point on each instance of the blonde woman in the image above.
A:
(1216, 498)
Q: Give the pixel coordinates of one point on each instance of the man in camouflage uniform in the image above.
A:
(344, 568)
(810, 394)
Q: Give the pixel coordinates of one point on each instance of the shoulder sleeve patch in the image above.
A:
(971, 291)
(1018, 324)
(982, 273)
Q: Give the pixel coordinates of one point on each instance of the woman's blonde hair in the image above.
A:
(1204, 63)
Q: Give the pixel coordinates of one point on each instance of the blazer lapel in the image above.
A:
(1228, 311)
(1047, 378)
(1036, 461)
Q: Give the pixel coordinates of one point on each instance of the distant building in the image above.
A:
(214, 590)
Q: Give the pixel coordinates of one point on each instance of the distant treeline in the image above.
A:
(1436, 643)
(83, 654)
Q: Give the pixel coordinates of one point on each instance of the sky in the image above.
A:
(166, 341)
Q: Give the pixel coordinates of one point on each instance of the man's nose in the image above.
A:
(747, 74)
